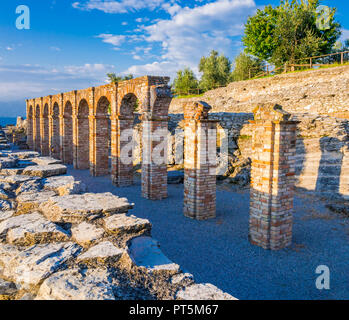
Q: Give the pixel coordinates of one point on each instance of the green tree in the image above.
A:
(245, 66)
(290, 31)
(113, 78)
(215, 71)
(185, 81)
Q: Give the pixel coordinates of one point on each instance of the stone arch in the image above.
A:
(37, 135)
(30, 138)
(102, 138)
(82, 160)
(67, 139)
(55, 134)
(45, 131)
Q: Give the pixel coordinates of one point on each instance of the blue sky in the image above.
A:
(73, 44)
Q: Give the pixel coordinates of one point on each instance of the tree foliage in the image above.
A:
(113, 78)
(215, 71)
(185, 81)
(245, 66)
(290, 31)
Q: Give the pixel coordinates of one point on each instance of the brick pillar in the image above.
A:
(54, 140)
(272, 177)
(44, 136)
(154, 157)
(99, 157)
(37, 138)
(75, 138)
(82, 153)
(122, 151)
(200, 138)
(61, 136)
(30, 141)
(67, 140)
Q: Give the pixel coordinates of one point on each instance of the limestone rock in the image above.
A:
(121, 224)
(3, 195)
(25, 154)
(102, 253)
(11, 172)
(31, 201)
(5, 215)
(31, 229)
(78, 208)
(203, 292)
(7, 288)
(30, 186)
(184, 279)
(145, 253)
(45, 161)
(6, 186)
(74, 285)
(64, 185)
(6, 163)
(15, 179)
(86, 233)
(5, 205)
(31, 266)
(45, 171)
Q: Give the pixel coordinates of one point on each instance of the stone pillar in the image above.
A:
(122, 165)
(36, 133)
(61, 137)
(75, 138)
(272, 177)
(67, 140)
(154, 157)
(54, 140)
(44, 136)
(200, 139)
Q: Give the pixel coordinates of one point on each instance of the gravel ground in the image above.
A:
(218, 251)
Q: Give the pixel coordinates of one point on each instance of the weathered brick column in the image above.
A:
(272, 177)
(45, 131)
(154, 157)
(54, 139)
(200, 136)
(37, 135)
(99, 161)
(122, 164)
(30, 141)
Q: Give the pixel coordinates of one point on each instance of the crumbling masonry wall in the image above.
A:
(85, 128)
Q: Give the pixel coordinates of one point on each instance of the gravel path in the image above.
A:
(218, 251)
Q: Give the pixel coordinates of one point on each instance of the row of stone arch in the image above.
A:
(83, 128)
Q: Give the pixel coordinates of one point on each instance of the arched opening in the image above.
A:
(124, 162)
(101, 163)
(55, 138)
(46, 132)
(82, 160)
(67, 134)
(37, 138)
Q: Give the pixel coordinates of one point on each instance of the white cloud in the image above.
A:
(9, 48)
(191, 33)
(115, 40)
(122, 6)
(55, 49)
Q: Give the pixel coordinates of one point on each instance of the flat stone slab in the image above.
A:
(86, 233)
(25, 154)
(45, 161)
(29, 229)
(6, 163)
(145, 253)
(102, 253)
(72, 285)
(121, 224)
(5, 205)
(3, 195)
(6, 214)
(15, 179)
(11, 172)
(30, 267)
(27, 202)
(205, 291)
(30, 186)
(7, 288)
(78, 208)
(45, 171)
(64, 185)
